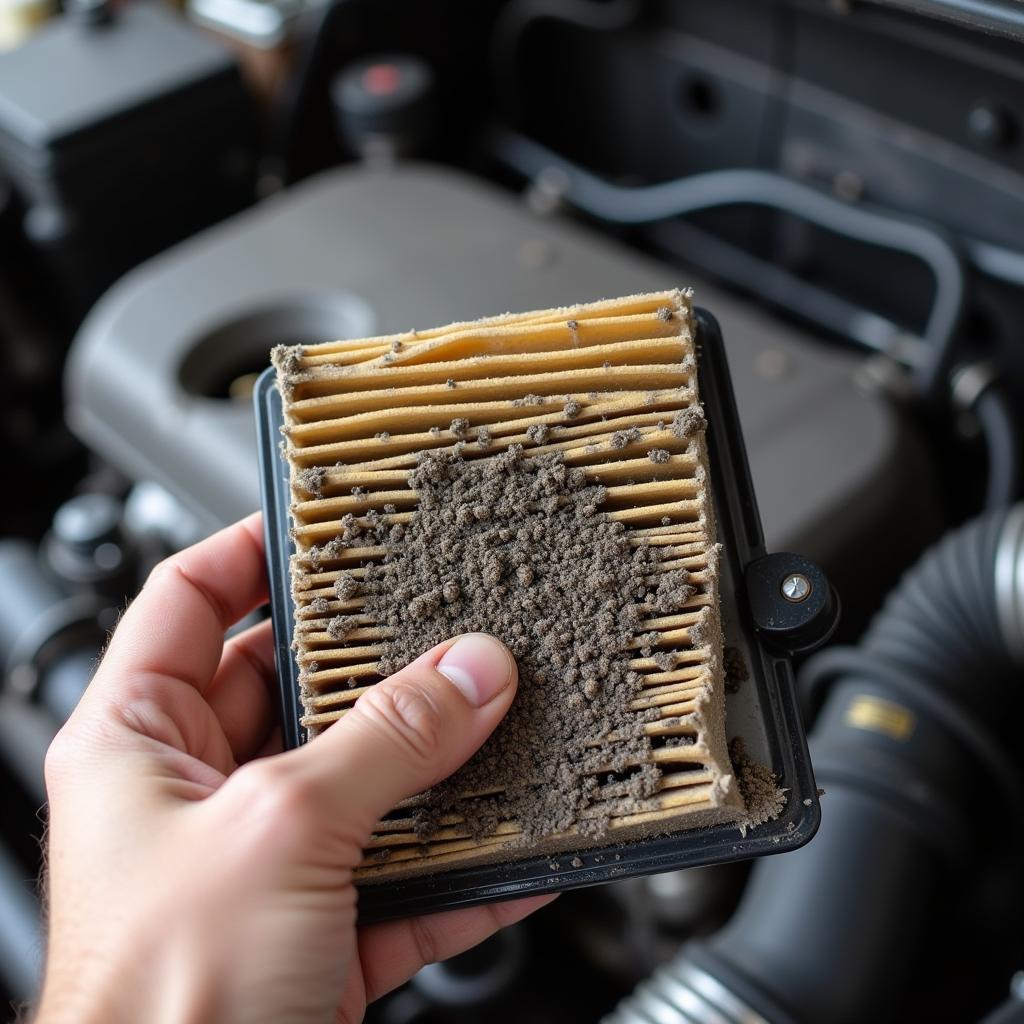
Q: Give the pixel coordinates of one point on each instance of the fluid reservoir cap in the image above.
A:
(387, 96)
(793, 605)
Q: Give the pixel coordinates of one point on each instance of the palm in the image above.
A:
(196, 715)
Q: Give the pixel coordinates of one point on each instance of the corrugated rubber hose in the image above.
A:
(915, 732)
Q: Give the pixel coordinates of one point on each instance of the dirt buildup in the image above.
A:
(383, 435)
(658, 455)
(572, 409)
(312, 480)
(688, 421)
(459, 426)
(538, 432)
(516, 547)
(483, 437)
(528, 400)
(346, 587)
(762, 797)
(698, 632)
(734, 666)
(623, 438)
(672, 592)
(287, 358)
(341, 625)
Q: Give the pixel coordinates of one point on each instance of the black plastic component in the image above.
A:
(49, 643)
(770, 86)
(799, 621)
(386, 98)
(1002, 16)
(770, 720)
(121, 134)
(917, 721)
(892, 831)
(700, 193)
(937, 645)
(87, 549)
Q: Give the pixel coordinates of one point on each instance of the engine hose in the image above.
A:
(646, 204)
(915, 723)
(998, 424)
(977, 393)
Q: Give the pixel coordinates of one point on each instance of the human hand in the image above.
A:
(193, 878)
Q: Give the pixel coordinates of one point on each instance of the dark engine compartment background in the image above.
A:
(183, 194)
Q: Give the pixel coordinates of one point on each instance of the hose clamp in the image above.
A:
(1009, 582)
(969, 382)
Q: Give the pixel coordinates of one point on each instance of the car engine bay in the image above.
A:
(842, 185)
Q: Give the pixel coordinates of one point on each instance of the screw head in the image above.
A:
(991, 125)
(796, 587)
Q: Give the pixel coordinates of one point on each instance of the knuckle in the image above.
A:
(178, 570)
(272, 794)
(166, 576)
(408, 715)
(164, 567)
(58, 759)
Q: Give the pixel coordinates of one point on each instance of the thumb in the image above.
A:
(410, 731)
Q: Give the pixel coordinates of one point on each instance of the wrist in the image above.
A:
(150, 986)
(81, 1000)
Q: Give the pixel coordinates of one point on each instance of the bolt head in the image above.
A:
(796, 587)
(991, 125)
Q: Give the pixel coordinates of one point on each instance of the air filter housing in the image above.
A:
(550, 478)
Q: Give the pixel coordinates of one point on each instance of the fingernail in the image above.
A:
(479, 666)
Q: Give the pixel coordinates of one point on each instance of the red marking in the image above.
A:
(381, 79)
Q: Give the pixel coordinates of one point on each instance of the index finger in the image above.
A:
(176, 626)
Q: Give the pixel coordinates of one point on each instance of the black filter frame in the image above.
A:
(764, 712)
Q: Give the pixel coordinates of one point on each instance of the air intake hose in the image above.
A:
(914, 728)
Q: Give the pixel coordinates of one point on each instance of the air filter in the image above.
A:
(546, 478)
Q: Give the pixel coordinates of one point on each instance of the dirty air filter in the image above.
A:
(545, 477)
